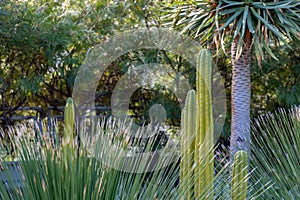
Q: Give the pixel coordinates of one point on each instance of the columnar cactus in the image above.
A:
(197, 140)
(69, 118)
(188, 124)
(204, 139)
(239, 182)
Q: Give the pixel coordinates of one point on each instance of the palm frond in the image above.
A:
(270, 23)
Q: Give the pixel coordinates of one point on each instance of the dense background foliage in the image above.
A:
(43, 44)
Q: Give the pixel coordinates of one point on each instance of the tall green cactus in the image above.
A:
(239, 182)
(188, 124)
(197, 140)
(69, 120)
(204, 139)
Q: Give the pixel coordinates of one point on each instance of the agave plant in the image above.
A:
(276, 153)
(64, 172)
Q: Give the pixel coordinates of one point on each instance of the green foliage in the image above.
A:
(276, 150)
(159, 90)
(239, 182)
(277, 83)
(40, 46)
(43, 44)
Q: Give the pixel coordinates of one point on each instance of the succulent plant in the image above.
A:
(69, 121)
(239, 183)
(197, 140)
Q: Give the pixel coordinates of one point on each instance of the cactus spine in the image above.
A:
(198, 141)
(69, 118)
(239, 182)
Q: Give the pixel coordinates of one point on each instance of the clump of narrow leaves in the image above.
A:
(267, 22)
(276, 153)
(109, 163)
(71, 171)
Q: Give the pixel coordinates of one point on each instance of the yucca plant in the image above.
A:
(245, 28)
(276, 153)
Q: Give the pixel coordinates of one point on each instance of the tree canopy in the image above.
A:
(43, 44)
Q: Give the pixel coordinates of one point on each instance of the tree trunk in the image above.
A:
(240, 99)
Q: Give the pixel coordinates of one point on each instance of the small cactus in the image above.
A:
(69, 120)
(239, 182)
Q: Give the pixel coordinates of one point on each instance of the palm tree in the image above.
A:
(247, 27)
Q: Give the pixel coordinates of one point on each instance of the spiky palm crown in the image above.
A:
(264, 23)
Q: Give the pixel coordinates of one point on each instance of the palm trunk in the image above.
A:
(240, 99)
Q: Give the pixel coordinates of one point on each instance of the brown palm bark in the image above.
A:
(240, 98)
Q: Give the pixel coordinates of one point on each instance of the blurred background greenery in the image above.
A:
(43, 44)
